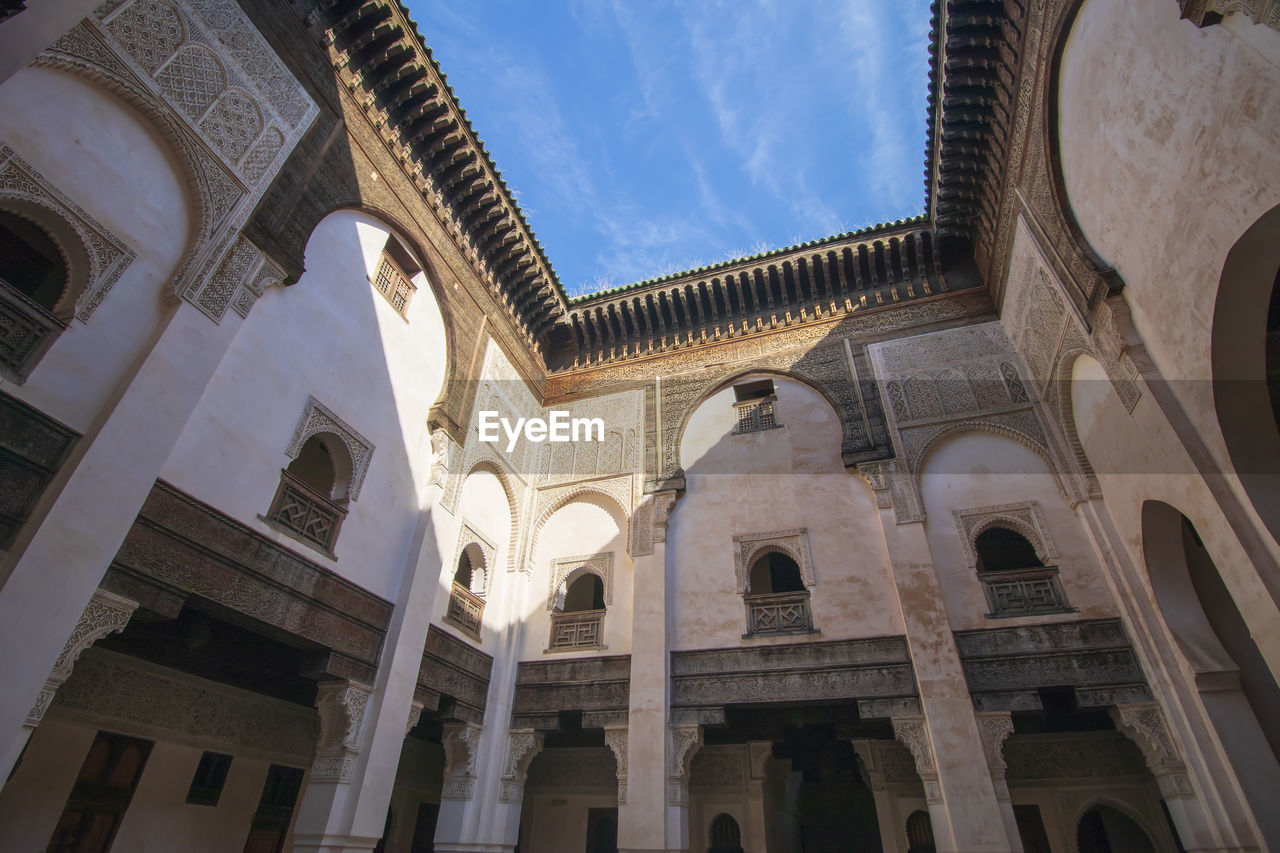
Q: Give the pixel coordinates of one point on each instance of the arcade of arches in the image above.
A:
(954, 534)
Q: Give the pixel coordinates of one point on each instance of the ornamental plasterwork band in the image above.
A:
(913, 733)
(565, 570)
(107, 256)
(226, 104)
(523, 745)
(341, 706)
(1144, 724)
(105, 613)
(1026, 518)
(461, 742)
(685, 741)
(468, 535)
(318, 418)
(793, 543)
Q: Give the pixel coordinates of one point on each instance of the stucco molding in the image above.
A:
(683, 742)
(106, 613)
(523, 745)
(1144, 724)
(318, 418)
(749, 546)
(461, 742)
(616, 738)
(913, 733)
(341, 706)
(1025, 518)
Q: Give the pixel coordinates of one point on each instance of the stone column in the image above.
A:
(759, 754)
(945, 741)
(95, 508)
(995, 727)
(869, 764)
(645, 821)
(1143, 723)
(350, 815)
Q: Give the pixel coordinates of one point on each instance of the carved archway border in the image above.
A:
(566, 570)
(618, 491)
(1025, 518)
(487, 460)
(793, 543)
(693, 393)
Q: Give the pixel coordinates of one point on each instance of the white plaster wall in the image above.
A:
(558, 822)
(975, 469)
(585, 526)
(160, 818)
(334, 337)
(106, 158)
(774, 480)
(33, 798)
(1169, 143)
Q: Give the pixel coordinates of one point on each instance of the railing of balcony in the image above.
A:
(304, 512)
(779, 613)
(580, 629)
(26, 331)
(466, 610)
(1022, 591)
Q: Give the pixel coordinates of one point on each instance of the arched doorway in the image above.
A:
(1246, 363)
(1103, 829)
(1236, 686)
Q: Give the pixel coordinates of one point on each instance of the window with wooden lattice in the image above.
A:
(392, 282)
(754, 406)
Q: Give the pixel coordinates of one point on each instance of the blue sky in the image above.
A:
(645, 138)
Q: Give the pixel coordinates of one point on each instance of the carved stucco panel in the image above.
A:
(793, 543)
(318, 418)
(565, 570)
(1025, 518)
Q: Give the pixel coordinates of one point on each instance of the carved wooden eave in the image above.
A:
(975, 59)
(799, 285)
(381, 59)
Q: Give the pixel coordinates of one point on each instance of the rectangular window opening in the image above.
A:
(210, 776)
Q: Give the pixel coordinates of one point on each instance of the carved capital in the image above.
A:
(894, 487)
(461, 743)
(913, 733)
(341, 706)
(415, 714)
(616, 737)
(1143, 723)
(758, 754)
(523, 745)
(994, 727)
(685, 741)
(106, 613)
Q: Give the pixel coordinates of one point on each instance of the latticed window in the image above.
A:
(754, 406)
(1014, 578)
(579, 622)
(777, 601)
(306, 503)
(393, 284)
(466, 601)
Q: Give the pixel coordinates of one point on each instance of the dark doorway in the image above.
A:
(602, 830)
(101, 794)
(424, 829)
(1103, 829)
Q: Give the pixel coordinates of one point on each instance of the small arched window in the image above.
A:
(1003, 550)
(578, 619)
(777, 600)
(1014, 577)
(33, 282)
(466, 598)
(725, 835)
(310, 503)
(775, 572)
(585, 593)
